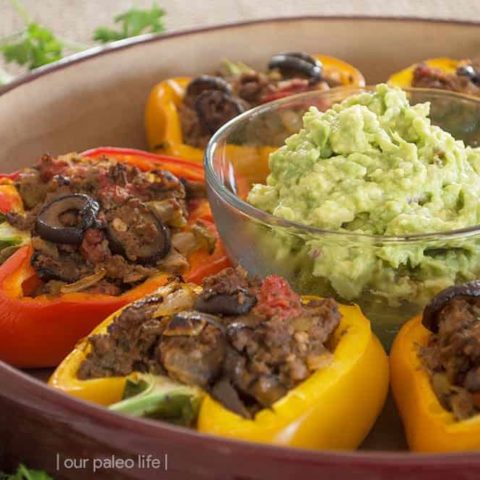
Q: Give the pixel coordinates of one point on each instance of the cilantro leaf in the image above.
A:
(37, 46)
(23, 473)
(132, 23)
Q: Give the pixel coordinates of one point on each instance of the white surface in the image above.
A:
(76, 19)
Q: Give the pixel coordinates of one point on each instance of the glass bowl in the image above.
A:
(348, 266)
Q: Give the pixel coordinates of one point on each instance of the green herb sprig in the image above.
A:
(24, 473)
(132, 23)
(37, 45)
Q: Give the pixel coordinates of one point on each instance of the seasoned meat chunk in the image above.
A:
(428, 77)
(88, 216)
(194, 360)
(128, 344)
(452, 356)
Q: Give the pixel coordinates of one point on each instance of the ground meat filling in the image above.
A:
(452, 357)
(246, 342)
(238, 92)
(465, 80)
(103, 226)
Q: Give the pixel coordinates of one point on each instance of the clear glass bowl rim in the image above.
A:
(255, 214)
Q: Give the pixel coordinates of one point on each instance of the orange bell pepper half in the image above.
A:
(162, 119)
(10, 200)
(40, 331)
(404, 78)
(429, 427)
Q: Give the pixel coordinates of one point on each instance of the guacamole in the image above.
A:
(375, 165)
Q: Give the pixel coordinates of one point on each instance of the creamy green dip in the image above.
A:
(374, 164)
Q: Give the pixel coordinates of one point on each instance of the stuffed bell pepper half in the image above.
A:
(182, 113)
(462, 76)
(83, 235)
(240, 358)
(435, 367)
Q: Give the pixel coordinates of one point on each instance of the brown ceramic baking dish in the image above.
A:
(98, 98)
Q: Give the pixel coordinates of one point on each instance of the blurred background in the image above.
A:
(74, 21)
(78, 18)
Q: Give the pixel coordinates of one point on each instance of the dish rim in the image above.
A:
(75, 407)
(18, 379)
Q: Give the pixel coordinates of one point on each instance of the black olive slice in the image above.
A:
(134, 232)
(470, 72)
(224, 304)
(49, 224)
(214, 108)
(432, 311)
(297, 63)
(207, 82)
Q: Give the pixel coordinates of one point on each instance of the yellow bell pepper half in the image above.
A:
(403, 78)
(333, 409)
(162, 119)
(103, 391)
(428, 426)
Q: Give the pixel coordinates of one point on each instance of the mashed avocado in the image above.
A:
(374, 164)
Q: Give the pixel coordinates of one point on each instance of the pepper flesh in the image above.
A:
(333, 409)
(428, 426)
(40, 331)
(162, 119)
(10, 199)
(403, 78)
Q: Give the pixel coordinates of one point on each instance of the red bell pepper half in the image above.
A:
(40, 331)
